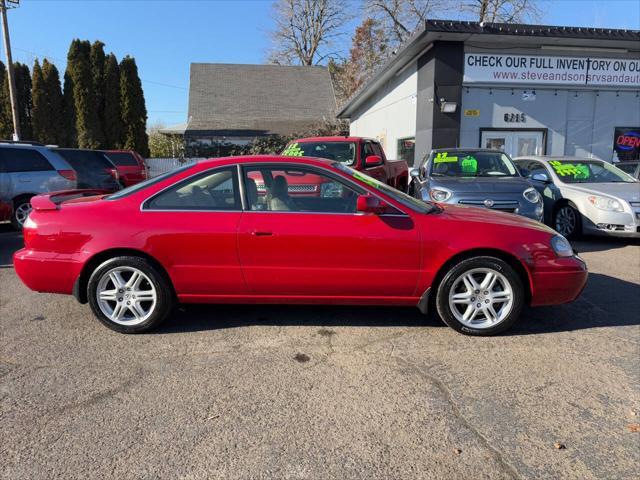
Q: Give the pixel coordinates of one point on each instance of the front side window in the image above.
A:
(460, 163)
(22, 160)
(367, 151)
(589, 171)
(629, 168)
(296, 189)
(212, 190)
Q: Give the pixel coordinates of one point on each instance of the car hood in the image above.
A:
(481, 184)
(626, 191)
(488, 216)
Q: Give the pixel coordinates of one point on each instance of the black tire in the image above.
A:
(164, 293)
(577, 229)
(18, 205)
(485, 262)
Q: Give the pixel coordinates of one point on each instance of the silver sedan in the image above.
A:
(585, 195)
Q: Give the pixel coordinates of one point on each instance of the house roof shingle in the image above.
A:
(259, 99)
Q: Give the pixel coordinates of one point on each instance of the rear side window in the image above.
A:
(629, 168)
(22, 160)
(86, 160)
(122, 159)
(214, 190)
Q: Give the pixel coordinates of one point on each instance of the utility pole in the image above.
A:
(12, 83)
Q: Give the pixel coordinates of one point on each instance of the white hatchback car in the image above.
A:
(585, 195)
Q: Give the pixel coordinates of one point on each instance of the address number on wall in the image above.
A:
(515, 117)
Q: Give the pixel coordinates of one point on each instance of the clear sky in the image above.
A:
(165, 36)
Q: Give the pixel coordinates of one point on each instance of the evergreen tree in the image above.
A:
(113, 127)
(134, 111)
(47, 103)
(6, 122)
(22, 77)
(54, 95)
(88, 130)
(40, 112)
(97, 73)
(69, 137)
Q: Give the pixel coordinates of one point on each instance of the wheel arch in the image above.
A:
(507, 257)
(21, 196)
(80, 286)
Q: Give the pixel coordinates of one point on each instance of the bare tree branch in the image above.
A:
(306, 30)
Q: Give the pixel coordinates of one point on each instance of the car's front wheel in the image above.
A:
(129, 294)
(480, 296)
(567, 221)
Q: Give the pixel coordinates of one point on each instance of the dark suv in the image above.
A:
(93, 168)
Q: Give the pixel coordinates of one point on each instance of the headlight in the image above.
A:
(531, 194)
(439, 194)
(606, 203)
(561, 246)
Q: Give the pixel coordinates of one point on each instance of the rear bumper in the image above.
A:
(563, 283)
(47, 271)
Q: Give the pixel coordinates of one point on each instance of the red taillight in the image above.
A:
(69, 174)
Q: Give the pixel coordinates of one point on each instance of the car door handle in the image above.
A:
(257, 233)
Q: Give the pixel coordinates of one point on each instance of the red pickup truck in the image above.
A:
(362, 154)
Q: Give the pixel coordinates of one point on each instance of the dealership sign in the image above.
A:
(549, 70)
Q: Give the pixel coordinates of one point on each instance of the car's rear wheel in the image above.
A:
(480, 296)
(567, 221)
(129, 294)
(21, 210)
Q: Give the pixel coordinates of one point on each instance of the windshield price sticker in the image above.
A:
(469, 165)
(443, 157)
(570, 169)
(293, 150)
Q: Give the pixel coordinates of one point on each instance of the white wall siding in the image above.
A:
(390, 114)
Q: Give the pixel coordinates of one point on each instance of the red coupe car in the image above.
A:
(205, 234)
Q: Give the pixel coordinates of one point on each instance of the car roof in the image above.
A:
(335, 138)
(460, 149)
(547, 158)
(252, 159)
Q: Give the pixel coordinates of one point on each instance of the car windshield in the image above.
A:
(402, 198)
(343, 152)
(589, 171)
(125, 192)
(461, 163)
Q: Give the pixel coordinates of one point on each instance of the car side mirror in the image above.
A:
(540, 177)
(370, 204)
(373, 161)
(415, 172)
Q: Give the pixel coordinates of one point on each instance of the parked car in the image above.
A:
(93, 168)
(192, 236)
(632, 167)
(130, 165)
(27, 169)
(364, 154)
(476, 177)
(585, 196)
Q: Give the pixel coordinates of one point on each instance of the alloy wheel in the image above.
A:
(566, 221)
(126, 295)
(481, 298)
(22, 212)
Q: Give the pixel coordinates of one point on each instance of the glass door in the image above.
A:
(515, 143)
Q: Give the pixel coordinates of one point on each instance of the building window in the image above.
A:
(406, 149)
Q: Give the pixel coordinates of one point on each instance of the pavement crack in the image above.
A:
(446, 393)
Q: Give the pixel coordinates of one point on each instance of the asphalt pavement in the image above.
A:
(313, 393)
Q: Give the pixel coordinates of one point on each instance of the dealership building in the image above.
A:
(526, 89)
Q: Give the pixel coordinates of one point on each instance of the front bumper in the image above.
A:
(558, 281)
(611, 224)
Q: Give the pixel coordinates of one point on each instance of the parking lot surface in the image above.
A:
(314, 393)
